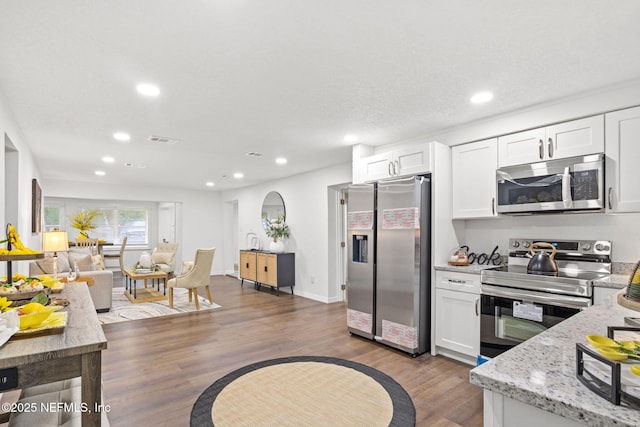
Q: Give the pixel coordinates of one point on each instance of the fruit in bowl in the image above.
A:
(32, 315)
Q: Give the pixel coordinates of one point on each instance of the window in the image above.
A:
(112, 222)
(52, 218)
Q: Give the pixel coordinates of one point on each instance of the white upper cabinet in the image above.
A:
(401, 162)
(474, 179)
(622, 157)
(568, 139)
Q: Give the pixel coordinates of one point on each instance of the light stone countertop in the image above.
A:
(617, 281)
(542, 370)
(471, 268)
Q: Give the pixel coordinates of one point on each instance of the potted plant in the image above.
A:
(277, 229)
(83, 221)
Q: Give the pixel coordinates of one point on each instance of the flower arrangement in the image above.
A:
(13, 239)
(83, 221)
(276, 228)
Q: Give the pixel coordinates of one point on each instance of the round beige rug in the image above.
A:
(304, 391)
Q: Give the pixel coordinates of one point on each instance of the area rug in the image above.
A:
(304, 391)
(122, 309)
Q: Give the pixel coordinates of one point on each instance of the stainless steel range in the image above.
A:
(517, 304)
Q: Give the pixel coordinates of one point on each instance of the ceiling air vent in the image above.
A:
(135, 165)
(163, 140)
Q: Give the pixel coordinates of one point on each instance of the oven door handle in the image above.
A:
(524, 295)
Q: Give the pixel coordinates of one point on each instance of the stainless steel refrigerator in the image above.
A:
(388, 275)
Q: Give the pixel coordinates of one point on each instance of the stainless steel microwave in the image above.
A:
(574, 184)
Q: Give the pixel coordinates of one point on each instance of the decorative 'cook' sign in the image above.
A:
(483, 259)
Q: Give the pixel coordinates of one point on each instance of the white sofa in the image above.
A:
(102, 289)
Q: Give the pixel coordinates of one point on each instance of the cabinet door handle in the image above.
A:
(389, 168)
(541, 149)
(610, 197)
(477, 301)
(550, 148)
(247, 265)
(396, 167)
(265, 268)
(493, 206)
(462, 282)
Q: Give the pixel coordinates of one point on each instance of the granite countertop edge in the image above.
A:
(471, 268)
(616, 281)
(541, 372)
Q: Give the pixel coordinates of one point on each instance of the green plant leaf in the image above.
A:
(41, 298)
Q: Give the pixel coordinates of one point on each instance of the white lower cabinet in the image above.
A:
(457, 305)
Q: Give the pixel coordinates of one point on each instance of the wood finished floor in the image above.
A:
(155, 369)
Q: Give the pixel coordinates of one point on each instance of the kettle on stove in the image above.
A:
(541, 262)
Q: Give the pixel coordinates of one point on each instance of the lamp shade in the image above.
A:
(55, 241)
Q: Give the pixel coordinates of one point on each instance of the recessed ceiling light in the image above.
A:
(108, 159)
(210, 184)
(121, 136)
(281, 161)
(481, 97)
(238, 175)
(100, 173)
(350, 138)
(147, 89)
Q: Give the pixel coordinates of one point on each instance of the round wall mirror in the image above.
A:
(272, 207)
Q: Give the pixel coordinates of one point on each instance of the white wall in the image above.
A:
(307, 210)
(199, 212)
(622, 229)
(23, 174)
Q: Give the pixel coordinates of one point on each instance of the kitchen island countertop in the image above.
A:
(541, 372)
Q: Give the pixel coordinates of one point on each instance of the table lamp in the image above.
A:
(55, 241)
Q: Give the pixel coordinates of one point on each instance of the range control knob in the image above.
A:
(602, 247)
(526, 244)
(587, 246)
(515, 244)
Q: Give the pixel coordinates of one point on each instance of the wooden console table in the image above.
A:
(145, 294)
(76, 352)
(277, 270)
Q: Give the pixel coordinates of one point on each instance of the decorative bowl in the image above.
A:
(34, 320)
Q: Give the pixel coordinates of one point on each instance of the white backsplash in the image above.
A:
(482, 235)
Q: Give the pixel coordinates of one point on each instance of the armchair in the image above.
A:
(164, 256)
(198, 276)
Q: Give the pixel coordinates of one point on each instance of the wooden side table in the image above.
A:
(146, 294)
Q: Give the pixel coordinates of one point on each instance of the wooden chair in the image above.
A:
(121, 257)
(92, 244)
(198, 276)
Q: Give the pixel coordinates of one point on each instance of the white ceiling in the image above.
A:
(285, 77)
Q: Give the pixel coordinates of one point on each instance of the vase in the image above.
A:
(276, 246)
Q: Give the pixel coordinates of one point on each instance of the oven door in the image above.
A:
(511, 316)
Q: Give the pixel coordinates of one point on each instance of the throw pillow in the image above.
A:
(98, 262)
(46, 264)
(85, 263)
(162, 257)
